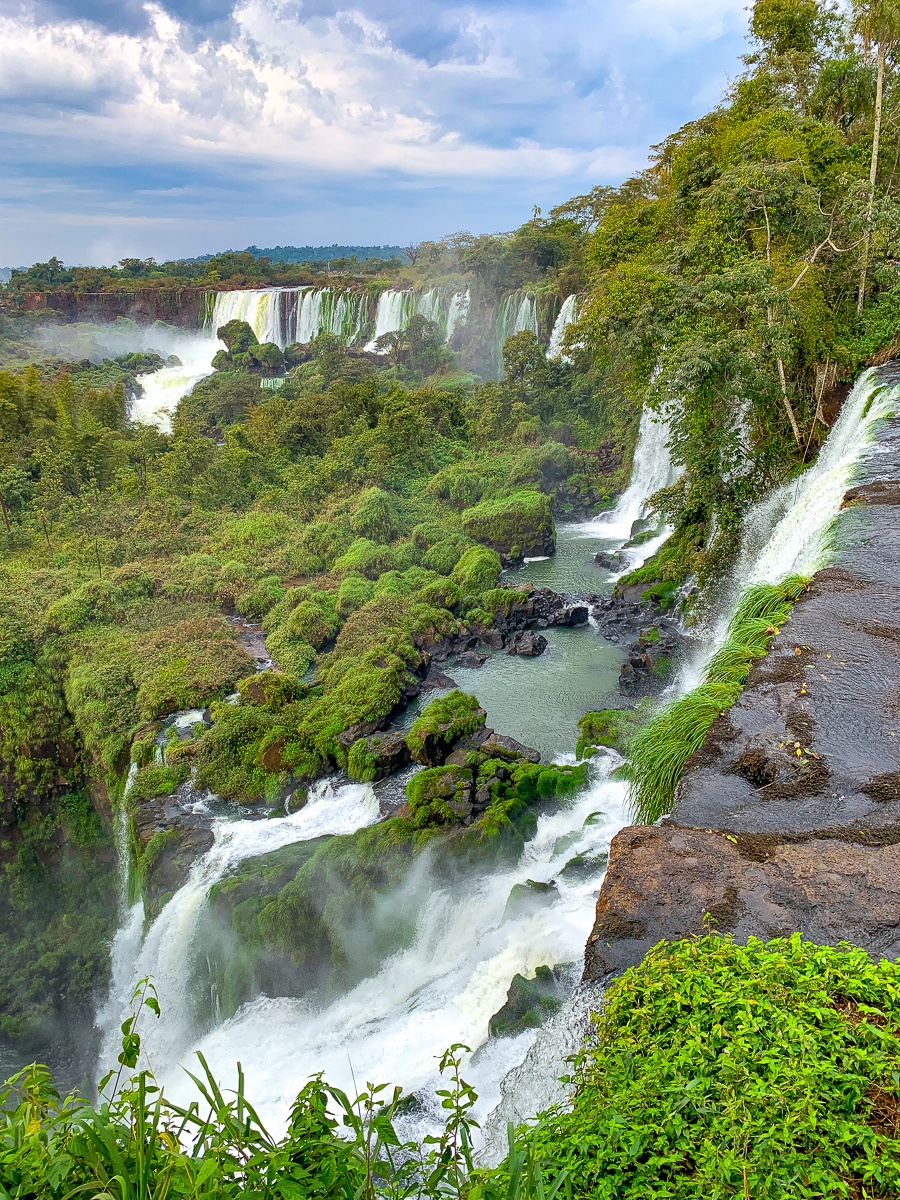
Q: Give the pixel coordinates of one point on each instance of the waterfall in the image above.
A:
(567, 314)
(324, 310)
(259, 307)
(651, 470)
(443, 988)
(163, 389)
(458, 312)
(168, 949)
(805, 508)
(786, 533)
(395, 309)
(127, 941)
(517, 312)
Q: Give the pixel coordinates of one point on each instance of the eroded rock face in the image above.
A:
(788, 817)
(668, 882)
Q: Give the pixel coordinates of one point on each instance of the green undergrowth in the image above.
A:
(658, 749)
(714, 1071)
(717, 1070)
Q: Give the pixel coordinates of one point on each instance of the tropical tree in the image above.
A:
(878, 21)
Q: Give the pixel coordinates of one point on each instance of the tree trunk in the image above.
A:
(873, 174)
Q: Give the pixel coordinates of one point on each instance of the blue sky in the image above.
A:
(130, 128)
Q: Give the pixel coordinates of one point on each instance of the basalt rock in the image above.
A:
(527, 644)
(528, 1002)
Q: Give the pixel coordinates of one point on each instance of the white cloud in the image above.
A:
(333, 92)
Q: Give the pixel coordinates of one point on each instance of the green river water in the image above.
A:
(538, 700)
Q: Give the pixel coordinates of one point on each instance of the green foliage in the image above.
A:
(516, 525)
(442, 723)
(478, 570)
(763, 1070)
(659, 749)
(611, 727)
(157, 779)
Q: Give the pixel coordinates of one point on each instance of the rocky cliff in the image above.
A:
(788, 818)
(176, 306)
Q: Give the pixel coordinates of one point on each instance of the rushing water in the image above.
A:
(166, 953)
(448, 983)
(567, 314)
(787, 532)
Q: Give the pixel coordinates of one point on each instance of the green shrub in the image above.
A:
(442, 723)
(477, 571)
(361, 762)
(610, 727)
(156, 779)
(355, 591)
(517, 525)
(263, 596)
(724, 1070)
(366, 558)
(376, 516)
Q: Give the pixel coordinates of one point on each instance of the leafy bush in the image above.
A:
(517, 525)
(442, 723)
(763, 1070)
(477, 571)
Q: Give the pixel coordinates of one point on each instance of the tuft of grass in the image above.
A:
(659, 749)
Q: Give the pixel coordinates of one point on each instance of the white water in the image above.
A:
(164, 388)
(259, 307)
(651, 470)
(567, 314)
(786, 533)
(394, 312)
(167, 951)
(458, 313)
(394, 1026)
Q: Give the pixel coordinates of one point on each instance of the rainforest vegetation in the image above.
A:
(362, 512)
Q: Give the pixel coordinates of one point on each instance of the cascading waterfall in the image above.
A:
(442, 989)
(127, 941)
(458, 312)
(259, 307)
(567, 314)
(168, 950)
(395, 311)
(163, 389)
(786, 533)
(324, 310)
(651, 470)
(517, 312)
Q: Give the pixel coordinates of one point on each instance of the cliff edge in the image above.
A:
(788, 817)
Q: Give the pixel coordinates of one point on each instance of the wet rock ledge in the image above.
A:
(788, 817)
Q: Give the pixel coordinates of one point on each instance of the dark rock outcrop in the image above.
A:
(529, 1002)
(527, 643)
(788, 817)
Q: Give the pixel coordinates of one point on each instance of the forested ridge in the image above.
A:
(362, 513)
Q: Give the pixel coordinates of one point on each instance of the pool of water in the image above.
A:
(538, 700)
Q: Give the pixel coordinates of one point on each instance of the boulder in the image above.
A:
(528, 1002)
(527, 644)
(610, 560)
(526, 897)
(498, 745)
(384, 754)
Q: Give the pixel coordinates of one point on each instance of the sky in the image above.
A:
(185, 127)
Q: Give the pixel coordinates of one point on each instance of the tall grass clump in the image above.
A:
(659, 750)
